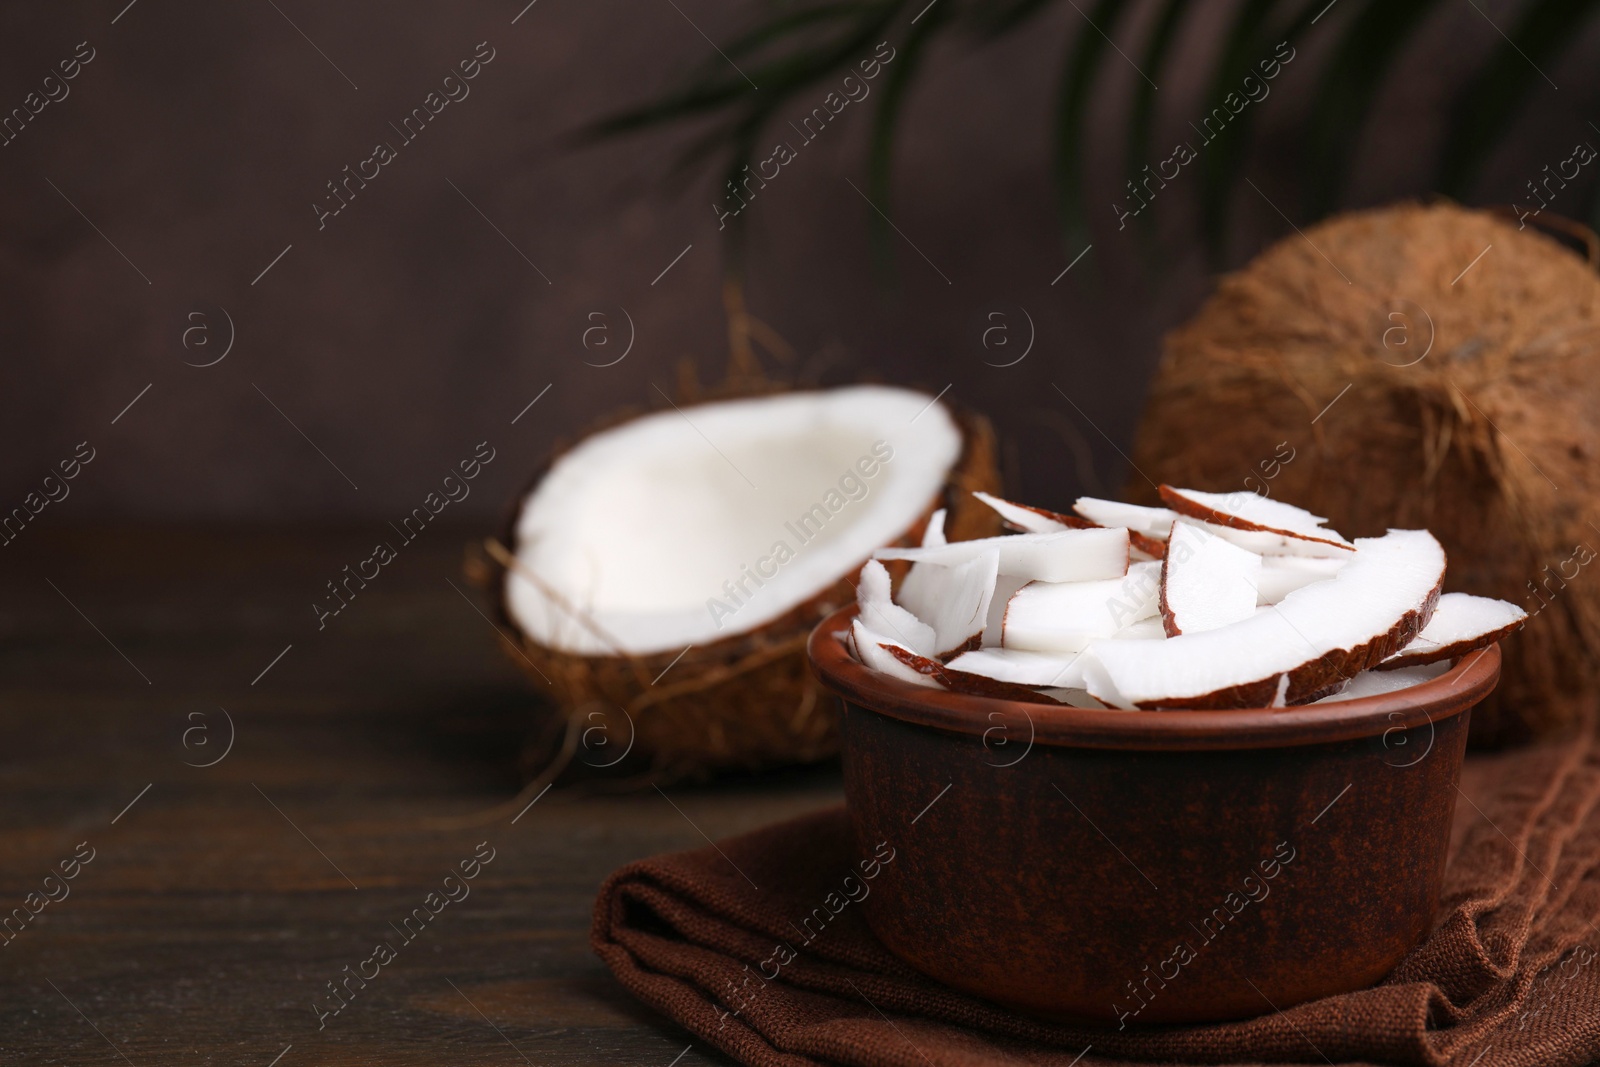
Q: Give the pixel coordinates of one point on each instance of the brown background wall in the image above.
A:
(408, 329)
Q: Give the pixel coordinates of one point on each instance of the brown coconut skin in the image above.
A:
(1487, 439)
(749, 701)
(1314, 679)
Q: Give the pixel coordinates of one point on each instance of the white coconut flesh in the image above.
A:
(873, 649)
(1258, 523)
(880, 614)
(1067, 556)
(1152, 522)
(1024, 518)
(1206, 582)
(1252, 630)
(1022, 668)
(1377, 683)
(1282, 575)
(1067, 616)
(1319, 635)
(1004, 587)
(1461, 623)
(1046, 669)
(638, 534)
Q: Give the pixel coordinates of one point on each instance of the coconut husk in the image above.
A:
(748, 701)
(1428, 366)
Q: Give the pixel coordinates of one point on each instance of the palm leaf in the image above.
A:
(885, 122)
(1351, 79)
(1223, 157)
(1077, 81)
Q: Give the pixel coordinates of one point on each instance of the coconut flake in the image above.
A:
(1461, 623)
(1066, 616)
(1206, 582)
(1029, 519)
(1152, 522)
(877, 652)
(994, 628)
(1068, 556)
(962, 682)
(1282, 575)
(1319, 635)
(1251, 513)
(920, 587)
(1378, 682)
(881, 614)
(1021, 668)
(960, 611)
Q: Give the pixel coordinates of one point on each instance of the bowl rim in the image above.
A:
(1470, 678)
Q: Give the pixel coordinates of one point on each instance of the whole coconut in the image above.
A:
(1413, 366)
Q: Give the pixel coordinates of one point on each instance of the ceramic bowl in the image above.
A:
(1151, 867)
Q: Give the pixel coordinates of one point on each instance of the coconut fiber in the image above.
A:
(1413, 367)
(1509, 977)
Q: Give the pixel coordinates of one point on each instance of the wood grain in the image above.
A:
(220, 904)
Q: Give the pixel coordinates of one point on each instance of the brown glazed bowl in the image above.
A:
(1157, 866)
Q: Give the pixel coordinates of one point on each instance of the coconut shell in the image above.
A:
(1429, 366)
(748, 701)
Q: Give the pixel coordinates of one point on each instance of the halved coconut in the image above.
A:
(673, 564)
(1282, 575)
(1066, 616)
(1206, 582)
(1320, 634)
(1068, 556)
(1258, 523)
(1378, 682)
(1461, 623)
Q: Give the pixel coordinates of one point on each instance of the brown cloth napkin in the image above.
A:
(1508, 978)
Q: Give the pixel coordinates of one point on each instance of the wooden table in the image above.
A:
(221, 900)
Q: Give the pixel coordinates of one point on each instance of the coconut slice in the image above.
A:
(886, 654)
(1077, 698)
(994, 628)
(880, 614)
(1206, 582)
(690, 526)
(1068, 556)
(1017, 667)
(1150, 629)
(1461, 623)
(919, 589)
(1030, 519)
(1066, 616)
(1284, 525)
(1152, 522)
(960, 681)
(1282, 575)
(959, 611)
(1320, 634)
(1378, 682)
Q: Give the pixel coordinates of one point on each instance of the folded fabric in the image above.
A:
(758, 946)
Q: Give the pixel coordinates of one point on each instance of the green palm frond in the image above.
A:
(758, 75)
